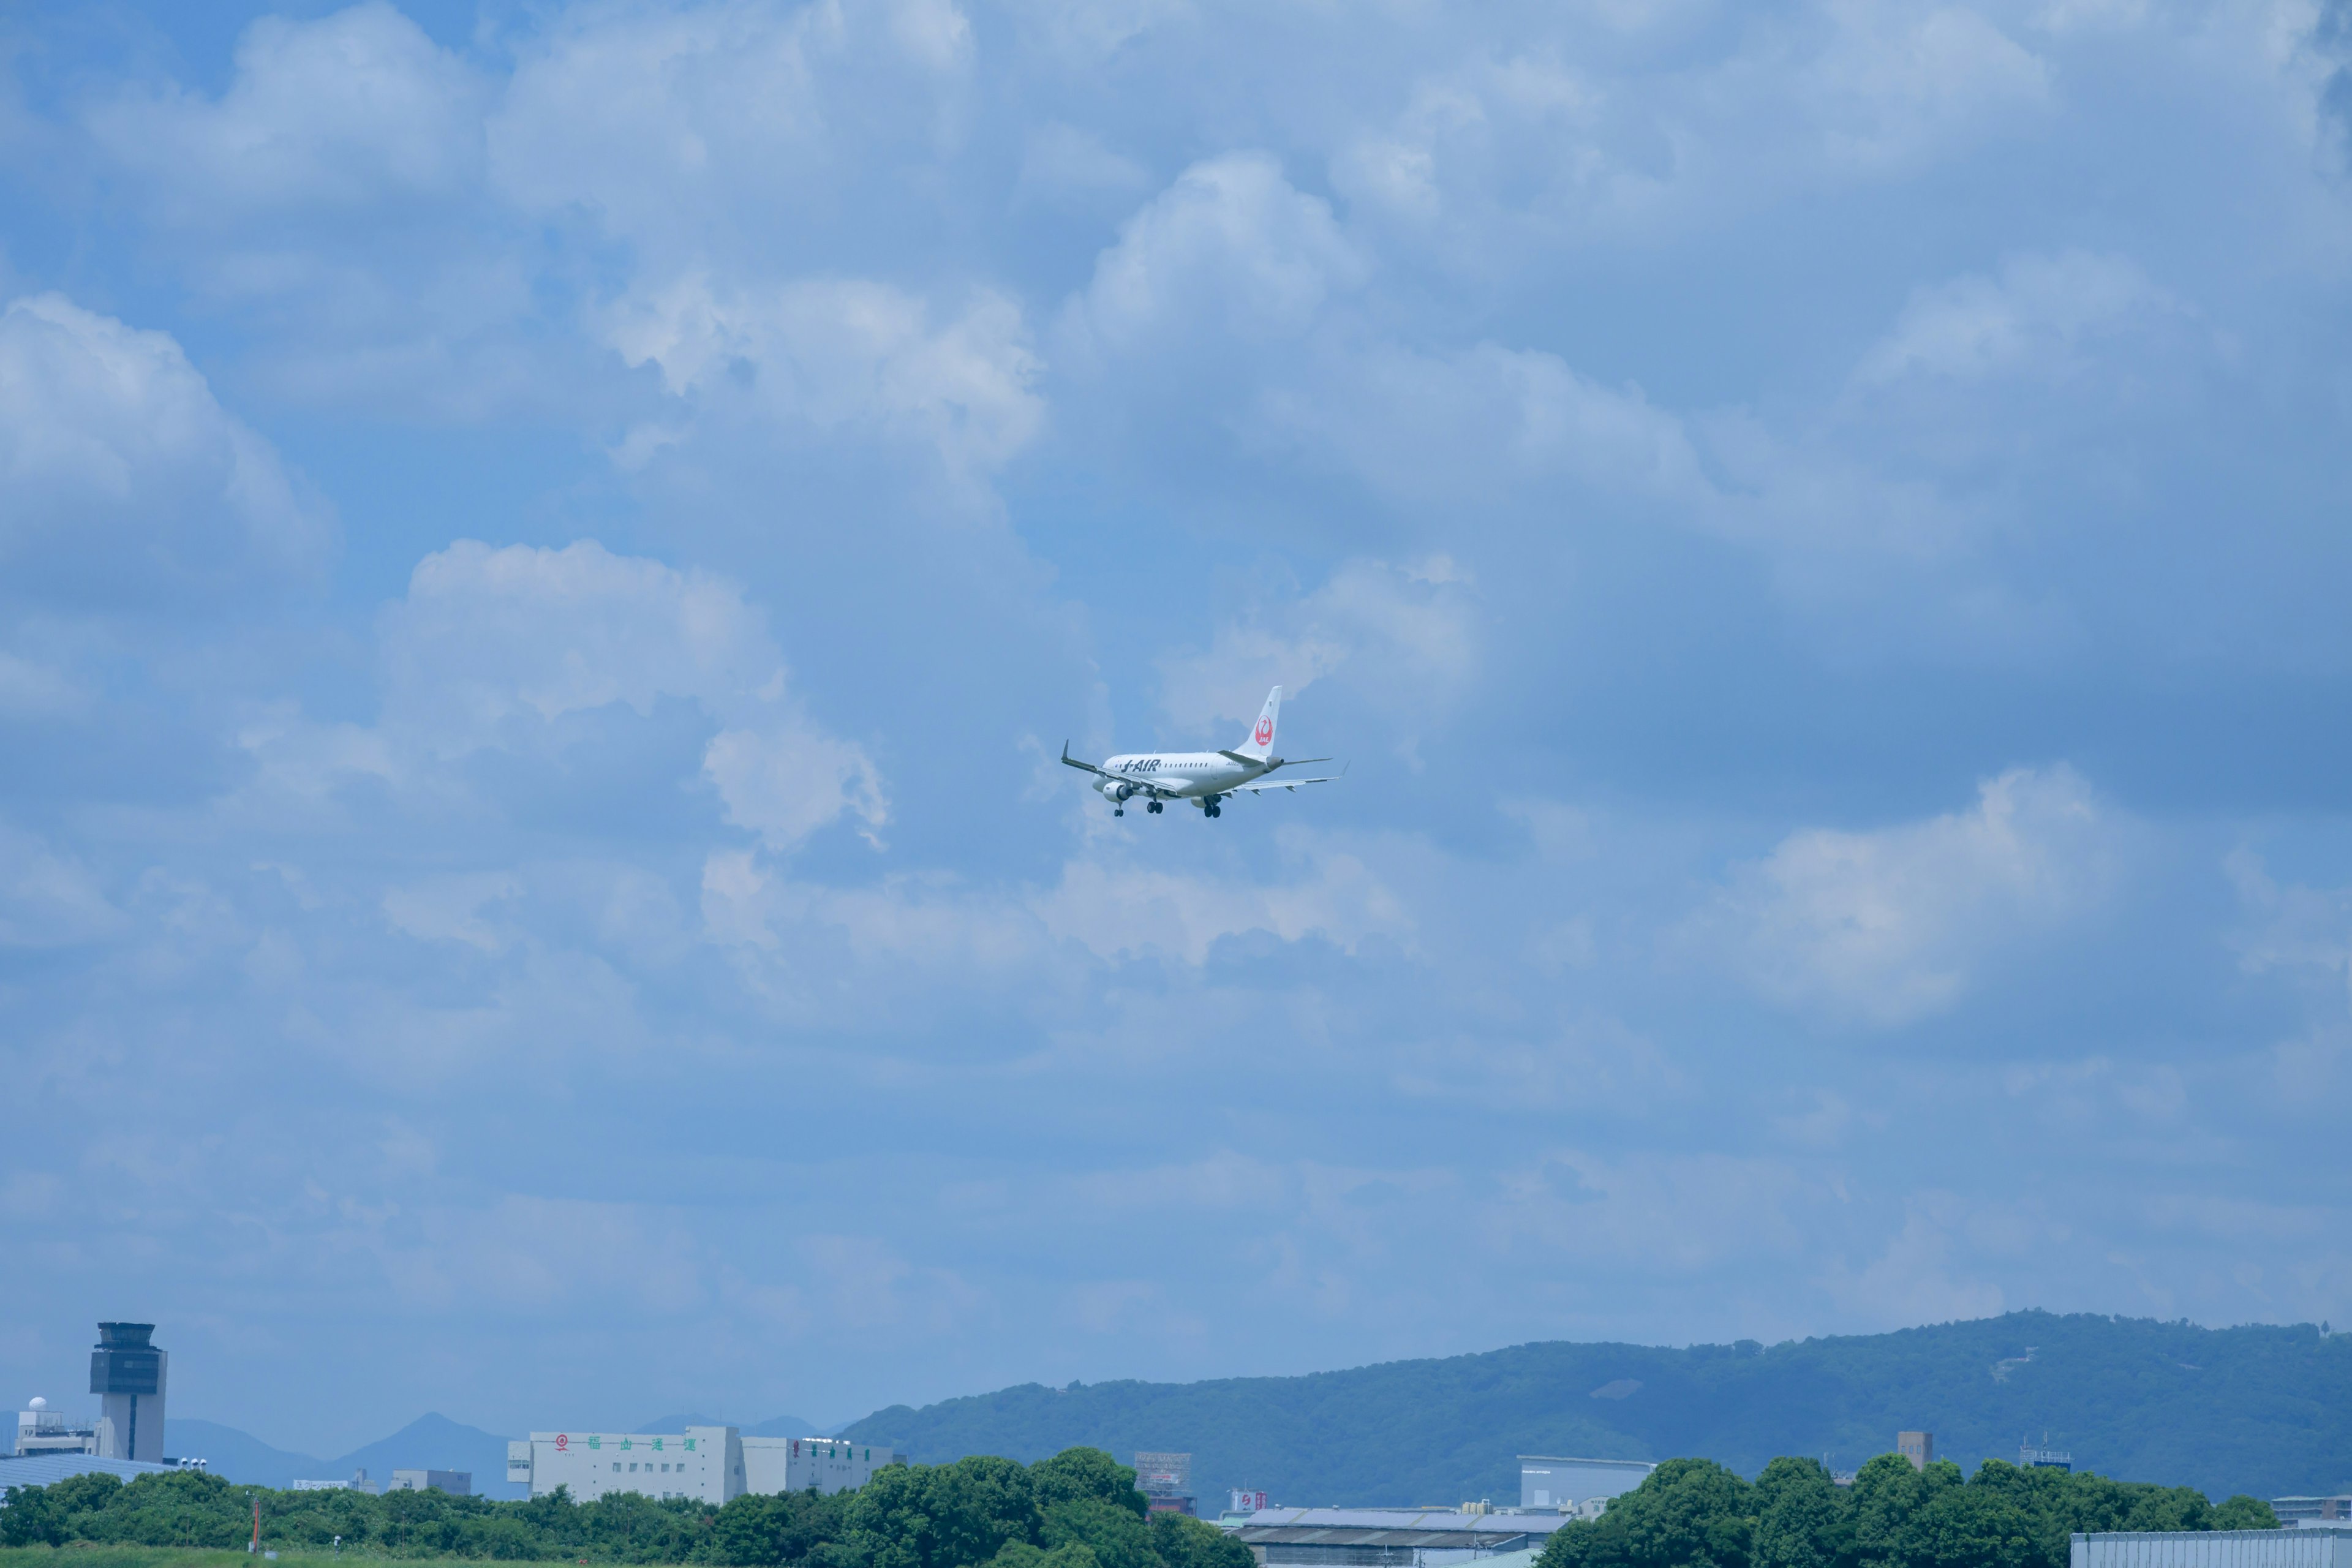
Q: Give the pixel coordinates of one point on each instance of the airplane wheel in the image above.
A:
(1119, 811)
(1153, 808)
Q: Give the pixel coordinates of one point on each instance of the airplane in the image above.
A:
(1204, 778)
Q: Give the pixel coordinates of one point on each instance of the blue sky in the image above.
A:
(547, 554)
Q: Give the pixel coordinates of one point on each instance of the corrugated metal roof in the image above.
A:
(41, 1470)
(1442, 1528)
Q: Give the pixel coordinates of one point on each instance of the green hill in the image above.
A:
(2260, 1409)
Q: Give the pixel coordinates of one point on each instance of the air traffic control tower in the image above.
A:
(128, 1372)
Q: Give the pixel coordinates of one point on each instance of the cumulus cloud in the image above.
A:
(1889, 925)
(848, 356)
(493, 649)
(351, 111)
(1399, 635)
(685, 129)
(48, 897)
(1231, 251)
(2034, 317)
(128, 485)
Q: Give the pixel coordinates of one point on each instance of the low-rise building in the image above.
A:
(358, 1483)
(797, 1464)
(710, 1464)
(702, 1462)
(1392, 1538)
(48, 1470)
(2310, 1510)
(2211, 1549)
(457, 1483)
(1549, 1482)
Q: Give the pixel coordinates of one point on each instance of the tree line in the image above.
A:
(1076, 1510)
(1695, 1513)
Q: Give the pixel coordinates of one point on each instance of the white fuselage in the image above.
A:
(1178, 776)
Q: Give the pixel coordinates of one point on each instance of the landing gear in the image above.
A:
(1209, 807)
(1119, 811)
(1152, 807)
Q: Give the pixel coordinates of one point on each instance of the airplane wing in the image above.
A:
(1143, 786)
(1262, 785)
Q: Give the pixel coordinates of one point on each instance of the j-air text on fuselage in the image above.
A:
(1204, 778)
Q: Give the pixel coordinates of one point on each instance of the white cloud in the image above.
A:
(2033, 318)
(1399, 635)
(685, 129)
(1132, 911)
(48, 898)
(1230, 251)
(1917, 1279)
(1890, 925)
(787, 783)
(351, 111)
(493, 648)
(1898, 83)
(126, 484)
(449, 909)
(847, 355)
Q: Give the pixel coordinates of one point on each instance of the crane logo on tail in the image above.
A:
(1264, 734)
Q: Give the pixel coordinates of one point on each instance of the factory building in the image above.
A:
(796, 1464)
(1394, 1538)
(129, 1375)
(711, 1464)
(457, 1483)
(2212, 1549)
(2314, 1511)
(701, 1462)
(1567, 1486)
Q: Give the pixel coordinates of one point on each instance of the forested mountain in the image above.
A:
(2265, 1410)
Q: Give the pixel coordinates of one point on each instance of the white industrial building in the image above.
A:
(457, 1483)
(796, 1464)
(710, 1464)
(2212, 1549)
(1577, 1486)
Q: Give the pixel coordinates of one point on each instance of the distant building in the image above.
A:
(1392, 1538)
(129, 1375)
(1567, 1485)
(457, 1483)
(2309, 1510)
(48, 1470)
(2212, 1549)
(41, 1430)
(713, 1464)
(2029, 1458)
(1166, 1482)
(358, 1483)
(796, 1464)
(1919, 1447)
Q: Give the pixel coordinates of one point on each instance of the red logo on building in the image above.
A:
(1264, 729)
(563, 1441)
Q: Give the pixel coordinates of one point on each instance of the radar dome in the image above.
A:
(39, 1403)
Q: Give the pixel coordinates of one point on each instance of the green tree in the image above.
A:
(1077, 1475)
(32, 1518)
(1687, 1513)
(1183, 1542)
(1804, 1518)
(1117, 1537)
(1972, 1527)
(2243, 1513)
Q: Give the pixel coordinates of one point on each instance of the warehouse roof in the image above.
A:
(41, 1470)
(1390, 1527)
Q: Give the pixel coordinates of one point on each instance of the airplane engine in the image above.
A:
(1118, 791)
